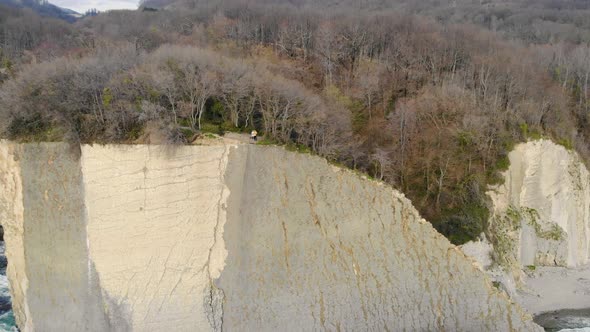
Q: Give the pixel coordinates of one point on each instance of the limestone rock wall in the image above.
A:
(155, 225)
(226, 237)
(338, 252)
(12, 219)
(43, 213)
(543, 207)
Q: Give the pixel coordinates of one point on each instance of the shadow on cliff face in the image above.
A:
(116, 312)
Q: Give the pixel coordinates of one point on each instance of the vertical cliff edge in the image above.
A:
(542, 210)
(540, 229)
(226, 237)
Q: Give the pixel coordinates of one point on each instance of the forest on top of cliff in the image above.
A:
(427, 98)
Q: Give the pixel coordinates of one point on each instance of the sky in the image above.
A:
(81, 6)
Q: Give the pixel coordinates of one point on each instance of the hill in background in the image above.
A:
(44, 8)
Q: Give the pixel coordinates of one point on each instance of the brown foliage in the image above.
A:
(430, 108)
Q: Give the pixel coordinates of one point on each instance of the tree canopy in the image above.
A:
(430, 102)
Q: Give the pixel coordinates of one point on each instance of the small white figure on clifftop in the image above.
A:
(254, 135)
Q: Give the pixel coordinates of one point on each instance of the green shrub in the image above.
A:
(267, 141)
(524, 129)
(107, 97)
(464, 138)
(465, 223)
(208, 127)
(187, 133)
(210, 135)
(503, 163)
(528, 133)
(535, 135)
(298, 148)
(34, 128)
(229, 127)
(566, 143)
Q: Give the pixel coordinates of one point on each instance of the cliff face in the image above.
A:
(238, 237)
(542, 211)
(12, 219)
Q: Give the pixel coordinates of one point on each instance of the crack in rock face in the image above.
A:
(213, 305)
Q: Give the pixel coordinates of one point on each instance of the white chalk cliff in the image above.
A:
(540, 229)
(229, 236)
(542, 210)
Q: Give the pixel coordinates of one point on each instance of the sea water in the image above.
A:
(568, 320)
(7, 323)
